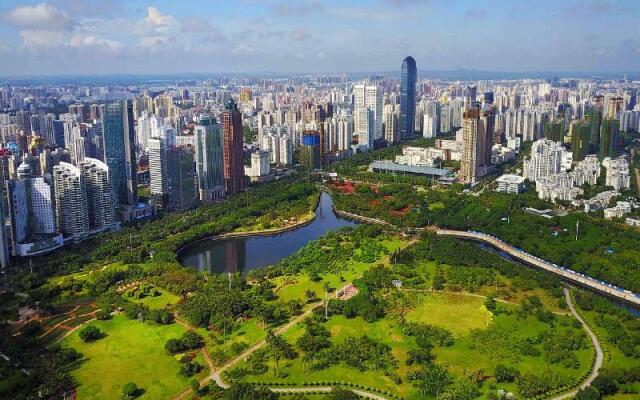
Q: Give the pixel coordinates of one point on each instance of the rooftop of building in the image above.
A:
(510, 178)
(411, 169)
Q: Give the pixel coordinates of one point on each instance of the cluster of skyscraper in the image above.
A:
(187, 140)
(67, 185)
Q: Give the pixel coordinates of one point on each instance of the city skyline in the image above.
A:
(317, 36)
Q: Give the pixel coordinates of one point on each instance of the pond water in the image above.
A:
(246, 253)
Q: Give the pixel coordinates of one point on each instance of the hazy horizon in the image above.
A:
(104, 37)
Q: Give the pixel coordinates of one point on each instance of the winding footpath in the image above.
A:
(216, 374)
(217, 378)
(596, 344)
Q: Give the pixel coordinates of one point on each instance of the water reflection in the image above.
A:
(243, 254)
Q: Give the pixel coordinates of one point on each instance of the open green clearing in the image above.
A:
(164, 299)
(294, 287)
(456, 312)
(132, 351)
(476, 347)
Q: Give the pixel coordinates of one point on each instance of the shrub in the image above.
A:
(90, 333)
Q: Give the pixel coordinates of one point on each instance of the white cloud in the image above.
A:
(39, 17)
(159, 22)
(34, 38)
(90, 41)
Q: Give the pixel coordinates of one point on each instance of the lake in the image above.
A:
(245, 253)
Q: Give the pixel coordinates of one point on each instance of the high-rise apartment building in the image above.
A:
(344, 132)
(119, 150)
(234, 179)
(100, 204)
(30, 208)
(209, 159)
(71, 201)
(391, 124)
(554, 130)
(429, 127)
(547, 158)
(408, 97)
(369, 95)
(609, 137)
(157, 170)
(445, 119)
(477, 134)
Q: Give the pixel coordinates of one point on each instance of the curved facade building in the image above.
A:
(71, 201)
(100, 203)
(408, 97)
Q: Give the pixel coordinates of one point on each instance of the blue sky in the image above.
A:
(162, 36)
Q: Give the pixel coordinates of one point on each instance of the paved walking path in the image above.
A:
(75, 328)
(203, 350)
(216, 375)
(596, 344)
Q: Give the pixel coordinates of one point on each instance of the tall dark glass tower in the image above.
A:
(119, 150)
(233, 154)
(408, 97)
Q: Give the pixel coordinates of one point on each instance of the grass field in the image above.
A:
(132, 351)
(341, 328)
(458, 313)
(249, 332)
(295, 287)
(157, 302)
(438, 309)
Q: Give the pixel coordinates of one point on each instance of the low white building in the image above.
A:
(514, 143)
(452, 148)
(421, 156)
(598, 202)
(558, 187)
(501, 154)
(621, 208)
(635, 222)
(509, 183)
(566, 185)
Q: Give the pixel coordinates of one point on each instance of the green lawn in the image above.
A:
(295, 287)
(157, 302)
(458, 313)
(132, 351)
(438, 309)
(249, 332)
(341, 328)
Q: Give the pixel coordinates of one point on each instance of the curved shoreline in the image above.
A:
(265, 232)
(231, 235)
